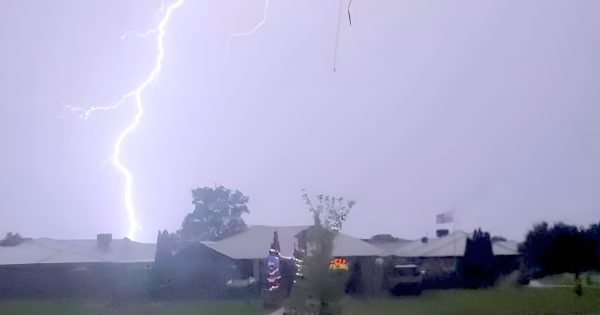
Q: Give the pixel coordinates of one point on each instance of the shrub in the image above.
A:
(321, 290)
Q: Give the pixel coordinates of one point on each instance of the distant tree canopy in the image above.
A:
(478, 267)
(11, 239)
(561, 248)
(217, 214)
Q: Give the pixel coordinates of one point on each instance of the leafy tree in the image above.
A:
(217, 214)
(557, 249)
(593, 239)
(321, 289)
(477, 266)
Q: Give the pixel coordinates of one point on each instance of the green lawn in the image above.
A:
(75, 307)
(569, 279)
(489, 301)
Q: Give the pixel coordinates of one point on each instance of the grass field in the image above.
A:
(74, 307)
(489, 301)
(569, 279)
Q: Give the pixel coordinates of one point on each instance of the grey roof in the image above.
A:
(388, 246)
(47, 250)
(251, 244)
(505, 248)
(348, 246)
(452, 245)
(254, 243)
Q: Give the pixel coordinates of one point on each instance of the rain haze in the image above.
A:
(486, 107)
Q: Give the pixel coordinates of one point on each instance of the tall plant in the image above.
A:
(320, 291)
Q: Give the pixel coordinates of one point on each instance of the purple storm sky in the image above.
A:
(488, 107)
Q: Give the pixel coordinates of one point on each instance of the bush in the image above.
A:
(321, 290)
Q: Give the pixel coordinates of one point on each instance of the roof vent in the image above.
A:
(442, 233)
(104, 240)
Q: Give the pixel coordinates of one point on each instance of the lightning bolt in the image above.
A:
(252, 31)
(136, 96)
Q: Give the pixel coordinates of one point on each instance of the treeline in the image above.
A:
(546, 250)
(559, 248)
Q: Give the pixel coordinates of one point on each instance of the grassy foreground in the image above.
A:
(76, 307)
(488, 301)
(587, 279)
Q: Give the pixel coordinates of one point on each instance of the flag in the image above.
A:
(445, 217)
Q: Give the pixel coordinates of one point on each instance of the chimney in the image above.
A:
(442, 233)
(104, 240)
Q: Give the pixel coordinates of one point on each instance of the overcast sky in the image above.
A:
(488, 107)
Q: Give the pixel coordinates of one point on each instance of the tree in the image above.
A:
(557, 249)
(217, 214)
(593, 240)
(477, 267)
(329, 211)
(11, 239)
(275, 245)
(321, 289)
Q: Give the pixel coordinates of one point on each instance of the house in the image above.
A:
(250, 248)
(110, 268)
(507, 255)
(203, 269)
(104, 267)
(440, 256)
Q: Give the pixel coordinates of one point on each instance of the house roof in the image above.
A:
(388, 246)
(346, 245)
(47, 250)
(505, 248)
(255, 242)
(452, 245)
(251, 244)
